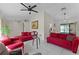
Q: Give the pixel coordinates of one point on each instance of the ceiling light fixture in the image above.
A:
(64, 12)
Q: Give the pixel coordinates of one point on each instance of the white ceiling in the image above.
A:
(54, 9)
(12, 10)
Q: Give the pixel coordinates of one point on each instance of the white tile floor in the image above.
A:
(46, 49)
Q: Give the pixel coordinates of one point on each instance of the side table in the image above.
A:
(37, 39)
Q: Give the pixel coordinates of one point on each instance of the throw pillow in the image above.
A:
(70, 37)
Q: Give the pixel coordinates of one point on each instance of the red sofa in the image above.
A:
(25, 36)
(16, 42)
(12, 43)
(61, 40)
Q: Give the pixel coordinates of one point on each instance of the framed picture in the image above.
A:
(35, 24)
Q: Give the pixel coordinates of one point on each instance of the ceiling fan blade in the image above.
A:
(33, 6)
(34, 11)
(23, 9)
(23, 5)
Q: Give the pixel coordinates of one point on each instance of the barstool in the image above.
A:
(35, 37)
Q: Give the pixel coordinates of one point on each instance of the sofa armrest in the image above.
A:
(48, 39)
(15, 45)
(6, 42)
(75, 45)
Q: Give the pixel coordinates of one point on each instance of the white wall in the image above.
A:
(16, 27)
(44, 19)
(47, 21)
(77, 29)
(40, 18)
(0, 27)
(27, 26)
(71, 20)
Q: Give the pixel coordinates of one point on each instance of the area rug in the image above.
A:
(38, 53)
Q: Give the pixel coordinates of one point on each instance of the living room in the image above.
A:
(45, 19)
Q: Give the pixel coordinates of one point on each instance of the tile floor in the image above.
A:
(46, 49)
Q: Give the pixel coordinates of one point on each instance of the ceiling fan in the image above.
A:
(29, 8)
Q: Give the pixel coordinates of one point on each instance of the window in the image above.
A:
(68, 28)
(64, 28)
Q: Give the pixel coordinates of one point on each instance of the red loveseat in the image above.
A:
(25, 36)
(61, 40)
(12, 43)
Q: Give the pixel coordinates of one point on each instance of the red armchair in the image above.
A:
(61, 40)
(12, 43)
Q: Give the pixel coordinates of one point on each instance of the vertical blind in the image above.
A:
(68, 28)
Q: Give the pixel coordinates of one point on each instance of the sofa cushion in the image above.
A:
(25, 38)
(15, 45)
(26, 33)
(70, 37)
(62, 36)
(66, 42)
(6, 42)
(53, 34)
(14, 39)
